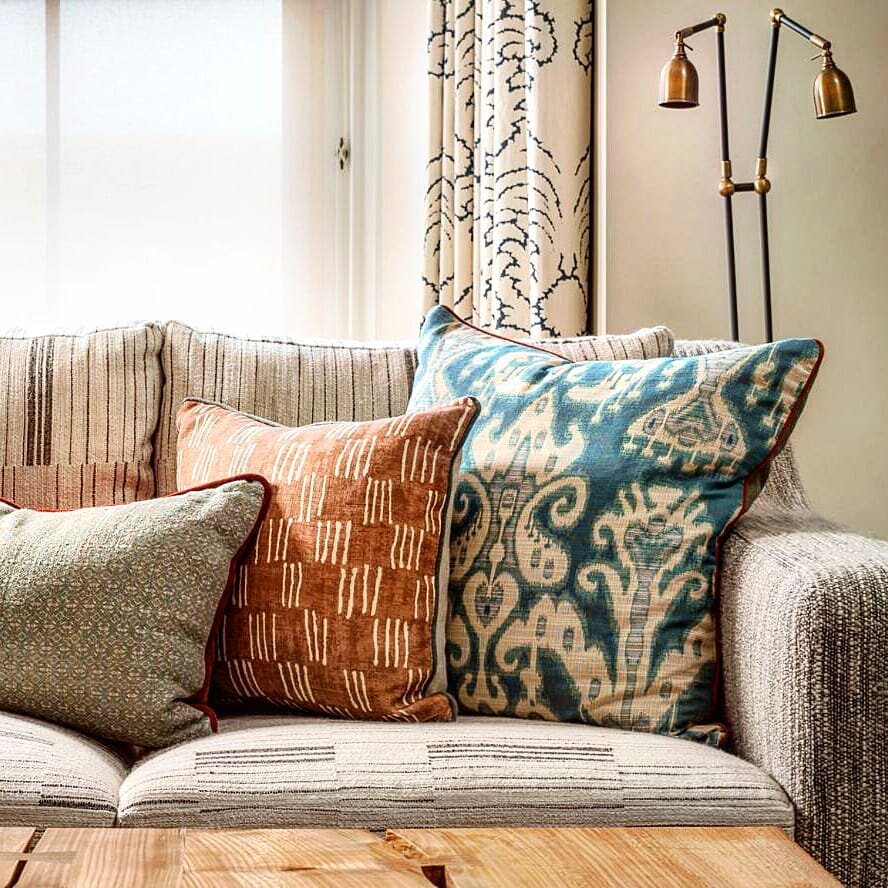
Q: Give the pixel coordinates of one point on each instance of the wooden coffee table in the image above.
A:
(455, 858)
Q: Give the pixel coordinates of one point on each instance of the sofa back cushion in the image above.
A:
(299, 382)
(286, 381)
(78, 413)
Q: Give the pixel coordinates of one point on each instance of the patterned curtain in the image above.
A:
(507, 241)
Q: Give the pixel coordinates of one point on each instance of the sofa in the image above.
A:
(803, 628)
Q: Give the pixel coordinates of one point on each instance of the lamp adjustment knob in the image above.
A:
(761, 184)
(726, 187)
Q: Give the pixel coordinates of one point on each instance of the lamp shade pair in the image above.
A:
(680, 86)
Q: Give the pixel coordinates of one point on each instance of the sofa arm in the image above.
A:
(804, 630)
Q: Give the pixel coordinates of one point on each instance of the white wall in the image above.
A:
(403, 147)
(661, 239)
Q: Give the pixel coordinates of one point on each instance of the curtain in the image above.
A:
(508, 205)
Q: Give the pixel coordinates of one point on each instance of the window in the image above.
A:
(178, 158)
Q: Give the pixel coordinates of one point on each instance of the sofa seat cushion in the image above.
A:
(267, 771)
(52, 776)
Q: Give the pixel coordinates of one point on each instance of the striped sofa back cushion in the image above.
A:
(287, 381)
(297, 382)
(78, 412)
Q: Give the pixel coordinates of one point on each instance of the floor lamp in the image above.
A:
(679, 88)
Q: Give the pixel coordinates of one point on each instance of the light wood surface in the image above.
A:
(163, 858)
(75, 857)
(316, 857)
(662, 857)
(13, 842)
(448, 858)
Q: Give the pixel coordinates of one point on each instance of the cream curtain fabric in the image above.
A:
(508, 205)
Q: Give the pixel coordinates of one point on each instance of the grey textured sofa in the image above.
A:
(804, 628)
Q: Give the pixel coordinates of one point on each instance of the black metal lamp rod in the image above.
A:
(726, 186)
(760, 185)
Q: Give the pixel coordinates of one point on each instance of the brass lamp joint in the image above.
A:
(761, 183)
(726, 186)
(826, 55)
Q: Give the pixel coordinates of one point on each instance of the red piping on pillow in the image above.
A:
(494, 335)
(200, 697)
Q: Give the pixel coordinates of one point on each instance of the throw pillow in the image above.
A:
(78, 414)
(339, 609)
(591, 504)
(107, 614)
(300, 382)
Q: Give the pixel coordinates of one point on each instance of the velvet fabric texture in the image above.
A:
(592, 500)
(340, 607)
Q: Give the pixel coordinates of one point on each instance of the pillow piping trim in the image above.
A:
(443, 597)
(200, 698)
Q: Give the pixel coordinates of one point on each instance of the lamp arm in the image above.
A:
(718, 20)
(779, 17)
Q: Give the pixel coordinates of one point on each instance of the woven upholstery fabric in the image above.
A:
(650, 342)
(338, 609)
(477, 771)
(297, 383)
(78, 413)
(804, 628)
(287, 381)
(51, 776)
(591, 502)
(107, 613)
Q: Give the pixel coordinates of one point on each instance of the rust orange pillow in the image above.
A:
(341, 606)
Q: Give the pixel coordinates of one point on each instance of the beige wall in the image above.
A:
(661, 239)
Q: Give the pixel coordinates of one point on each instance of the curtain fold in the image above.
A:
(508, 205)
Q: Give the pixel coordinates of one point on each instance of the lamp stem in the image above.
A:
(766, 266)
(769, 90)
(726, 164)
(760, 179)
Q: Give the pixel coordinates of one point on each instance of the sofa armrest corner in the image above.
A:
(803, 616)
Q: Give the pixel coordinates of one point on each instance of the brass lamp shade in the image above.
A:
(833, 94)
(679, 84)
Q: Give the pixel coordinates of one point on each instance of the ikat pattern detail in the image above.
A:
(338, 609)
(509, 189)
(591, 502)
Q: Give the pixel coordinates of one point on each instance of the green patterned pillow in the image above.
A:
(108, 615)
(592, 500)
